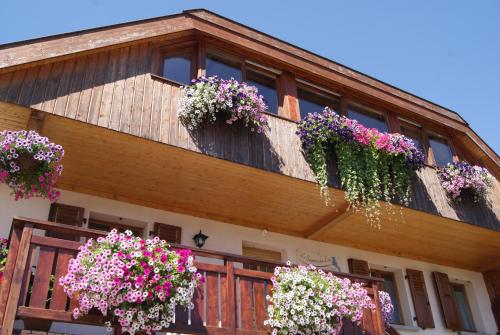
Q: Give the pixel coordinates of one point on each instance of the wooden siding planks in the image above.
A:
(114, 89)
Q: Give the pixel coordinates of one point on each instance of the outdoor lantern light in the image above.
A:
(199, 239)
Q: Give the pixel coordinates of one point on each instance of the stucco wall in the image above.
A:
(230, 238)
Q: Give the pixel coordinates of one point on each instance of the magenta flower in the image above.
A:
(137, 282)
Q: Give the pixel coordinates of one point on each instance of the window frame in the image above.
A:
(379, 274)
(266, 73)
(317, 90)
(467, 301)
(432, 159)
(189, 48)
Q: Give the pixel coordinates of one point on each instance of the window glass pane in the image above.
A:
(463, 308)
(267, 88)
(178, 68)
(368, 119)
(390, 287)
(441, 150)
(223, 68)
(414, 134)
(310, 102)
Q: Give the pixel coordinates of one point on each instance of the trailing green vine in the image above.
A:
(372, 165)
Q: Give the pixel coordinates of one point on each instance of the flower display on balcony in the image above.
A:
(461, 176)
(30, 164)
(136, 282)
(306, 300)
(207, 99)
(3, 255)
(386, 306)
(373, 165)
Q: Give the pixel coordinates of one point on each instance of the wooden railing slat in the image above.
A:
(212, 301)
(59, 298)
(245, 308)
(28, 273)
(41, 282)
(259, 304)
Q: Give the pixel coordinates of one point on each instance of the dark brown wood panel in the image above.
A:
(418, 289)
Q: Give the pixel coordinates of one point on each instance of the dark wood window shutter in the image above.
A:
(171, 234)
(358, 267)
(420, 298)
(65, 214)
(447, 300)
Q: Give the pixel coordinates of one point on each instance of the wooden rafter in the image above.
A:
(339, 215)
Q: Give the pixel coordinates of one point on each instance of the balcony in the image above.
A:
(231, 301)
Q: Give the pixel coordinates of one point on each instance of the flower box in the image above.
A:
(208, 99)
(372, 165)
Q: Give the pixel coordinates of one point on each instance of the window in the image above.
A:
(314, 102)
(266, 86)
(169, 233)
(268, 255)
(391, 288)
(224, 68)
(108, 226)
(440, 150)
(413, 132)
(178, 68)
(367, 118)
(463, 307)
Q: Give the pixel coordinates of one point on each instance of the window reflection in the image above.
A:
(441, 151)
(178, 68)
(368, 119)
(311, 102)
(267, 88)
(225, 69)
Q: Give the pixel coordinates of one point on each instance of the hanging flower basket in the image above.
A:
(459, 177)
(30, 164)
(134, 282)
(305, 300)
(208, 99)
(373, 166)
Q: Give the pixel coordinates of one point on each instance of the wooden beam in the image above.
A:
(36, 120)
(492, 266)
(339, 215)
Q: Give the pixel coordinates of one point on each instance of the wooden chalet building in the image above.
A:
(109, 96)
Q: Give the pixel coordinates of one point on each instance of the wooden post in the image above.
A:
(378, 322)
(231, 299)
(15, 237)
(35, 122)
(289, 108)
(17, 279)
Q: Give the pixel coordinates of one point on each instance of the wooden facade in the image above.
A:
(100, 94)
(117, 90)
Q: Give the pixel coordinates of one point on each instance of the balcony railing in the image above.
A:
(231, 301)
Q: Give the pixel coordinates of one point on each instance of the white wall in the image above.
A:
(230, 238)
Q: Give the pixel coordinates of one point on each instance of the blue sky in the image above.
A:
(446, 51)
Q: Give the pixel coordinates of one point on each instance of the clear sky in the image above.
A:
(446, 51)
